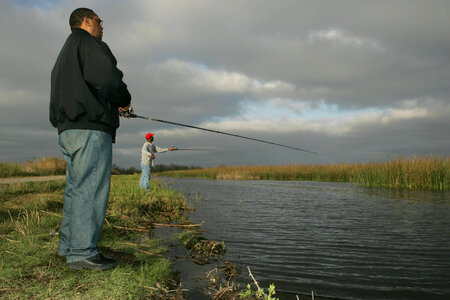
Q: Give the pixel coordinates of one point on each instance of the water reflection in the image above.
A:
(439, 197)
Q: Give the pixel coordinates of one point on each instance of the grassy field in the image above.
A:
(30, 214)
(47, 166)
(36, 167)
(432, 173)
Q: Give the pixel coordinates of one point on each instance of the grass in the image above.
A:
(30, 214)
(430, 172)
(36, 167)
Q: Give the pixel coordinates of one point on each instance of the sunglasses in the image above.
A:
(99, 21)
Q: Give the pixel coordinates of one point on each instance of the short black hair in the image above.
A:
(77, 16)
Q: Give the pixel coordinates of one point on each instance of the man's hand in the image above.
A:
(171, 148)
(152, 156)
(125, 108)
(124, 111)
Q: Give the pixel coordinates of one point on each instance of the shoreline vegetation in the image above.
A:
(43, 166)
(417, 172)
(30, 215)
(46, 166)
(427, 172)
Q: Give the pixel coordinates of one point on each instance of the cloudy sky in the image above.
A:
(351, 80)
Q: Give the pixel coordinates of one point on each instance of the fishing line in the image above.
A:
(193, 149)
(129, 114)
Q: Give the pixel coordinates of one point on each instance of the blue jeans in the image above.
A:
(145, 177)
(88, 154)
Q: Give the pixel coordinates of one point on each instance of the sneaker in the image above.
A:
(98, 262)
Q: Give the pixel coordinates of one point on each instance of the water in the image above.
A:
(336, 239)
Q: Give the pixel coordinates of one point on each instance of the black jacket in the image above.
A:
(86, 86)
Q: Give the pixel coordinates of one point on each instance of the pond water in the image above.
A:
(336, 239)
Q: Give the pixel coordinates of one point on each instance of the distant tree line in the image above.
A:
(117, 170)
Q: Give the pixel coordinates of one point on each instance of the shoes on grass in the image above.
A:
(98, 262)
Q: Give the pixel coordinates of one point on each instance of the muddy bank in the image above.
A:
(204, 271)
(198, 273)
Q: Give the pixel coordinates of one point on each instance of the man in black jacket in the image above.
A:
(87, 93)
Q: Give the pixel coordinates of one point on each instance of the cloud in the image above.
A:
(345, 124)
(291, 104)
(341, 37)
(369, 75)
(220, 81)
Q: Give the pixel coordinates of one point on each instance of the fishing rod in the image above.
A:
(193, 149)
(129, 114)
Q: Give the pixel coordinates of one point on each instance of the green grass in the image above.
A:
(431, 173)
(29, 265)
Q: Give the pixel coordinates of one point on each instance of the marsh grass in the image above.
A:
(36, 167)
(130, 205)
(431, 172)
(30, 214)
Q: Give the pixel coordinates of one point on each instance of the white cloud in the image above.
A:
(221, 81)
(373, 119)
(404, 114)
(341, 37)
(344, 124)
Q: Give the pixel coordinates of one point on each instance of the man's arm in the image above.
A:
(162, 150)
(100, 71)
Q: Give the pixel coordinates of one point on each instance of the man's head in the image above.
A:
(88, 20)
(149, 136)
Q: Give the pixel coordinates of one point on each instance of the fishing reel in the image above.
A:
(127, 113)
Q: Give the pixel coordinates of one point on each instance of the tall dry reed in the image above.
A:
(35, 167)
(430, 172)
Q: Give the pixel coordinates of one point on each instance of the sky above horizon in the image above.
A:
(351, 80)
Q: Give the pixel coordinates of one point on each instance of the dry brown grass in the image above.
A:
(428, 172)
(36, 167)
